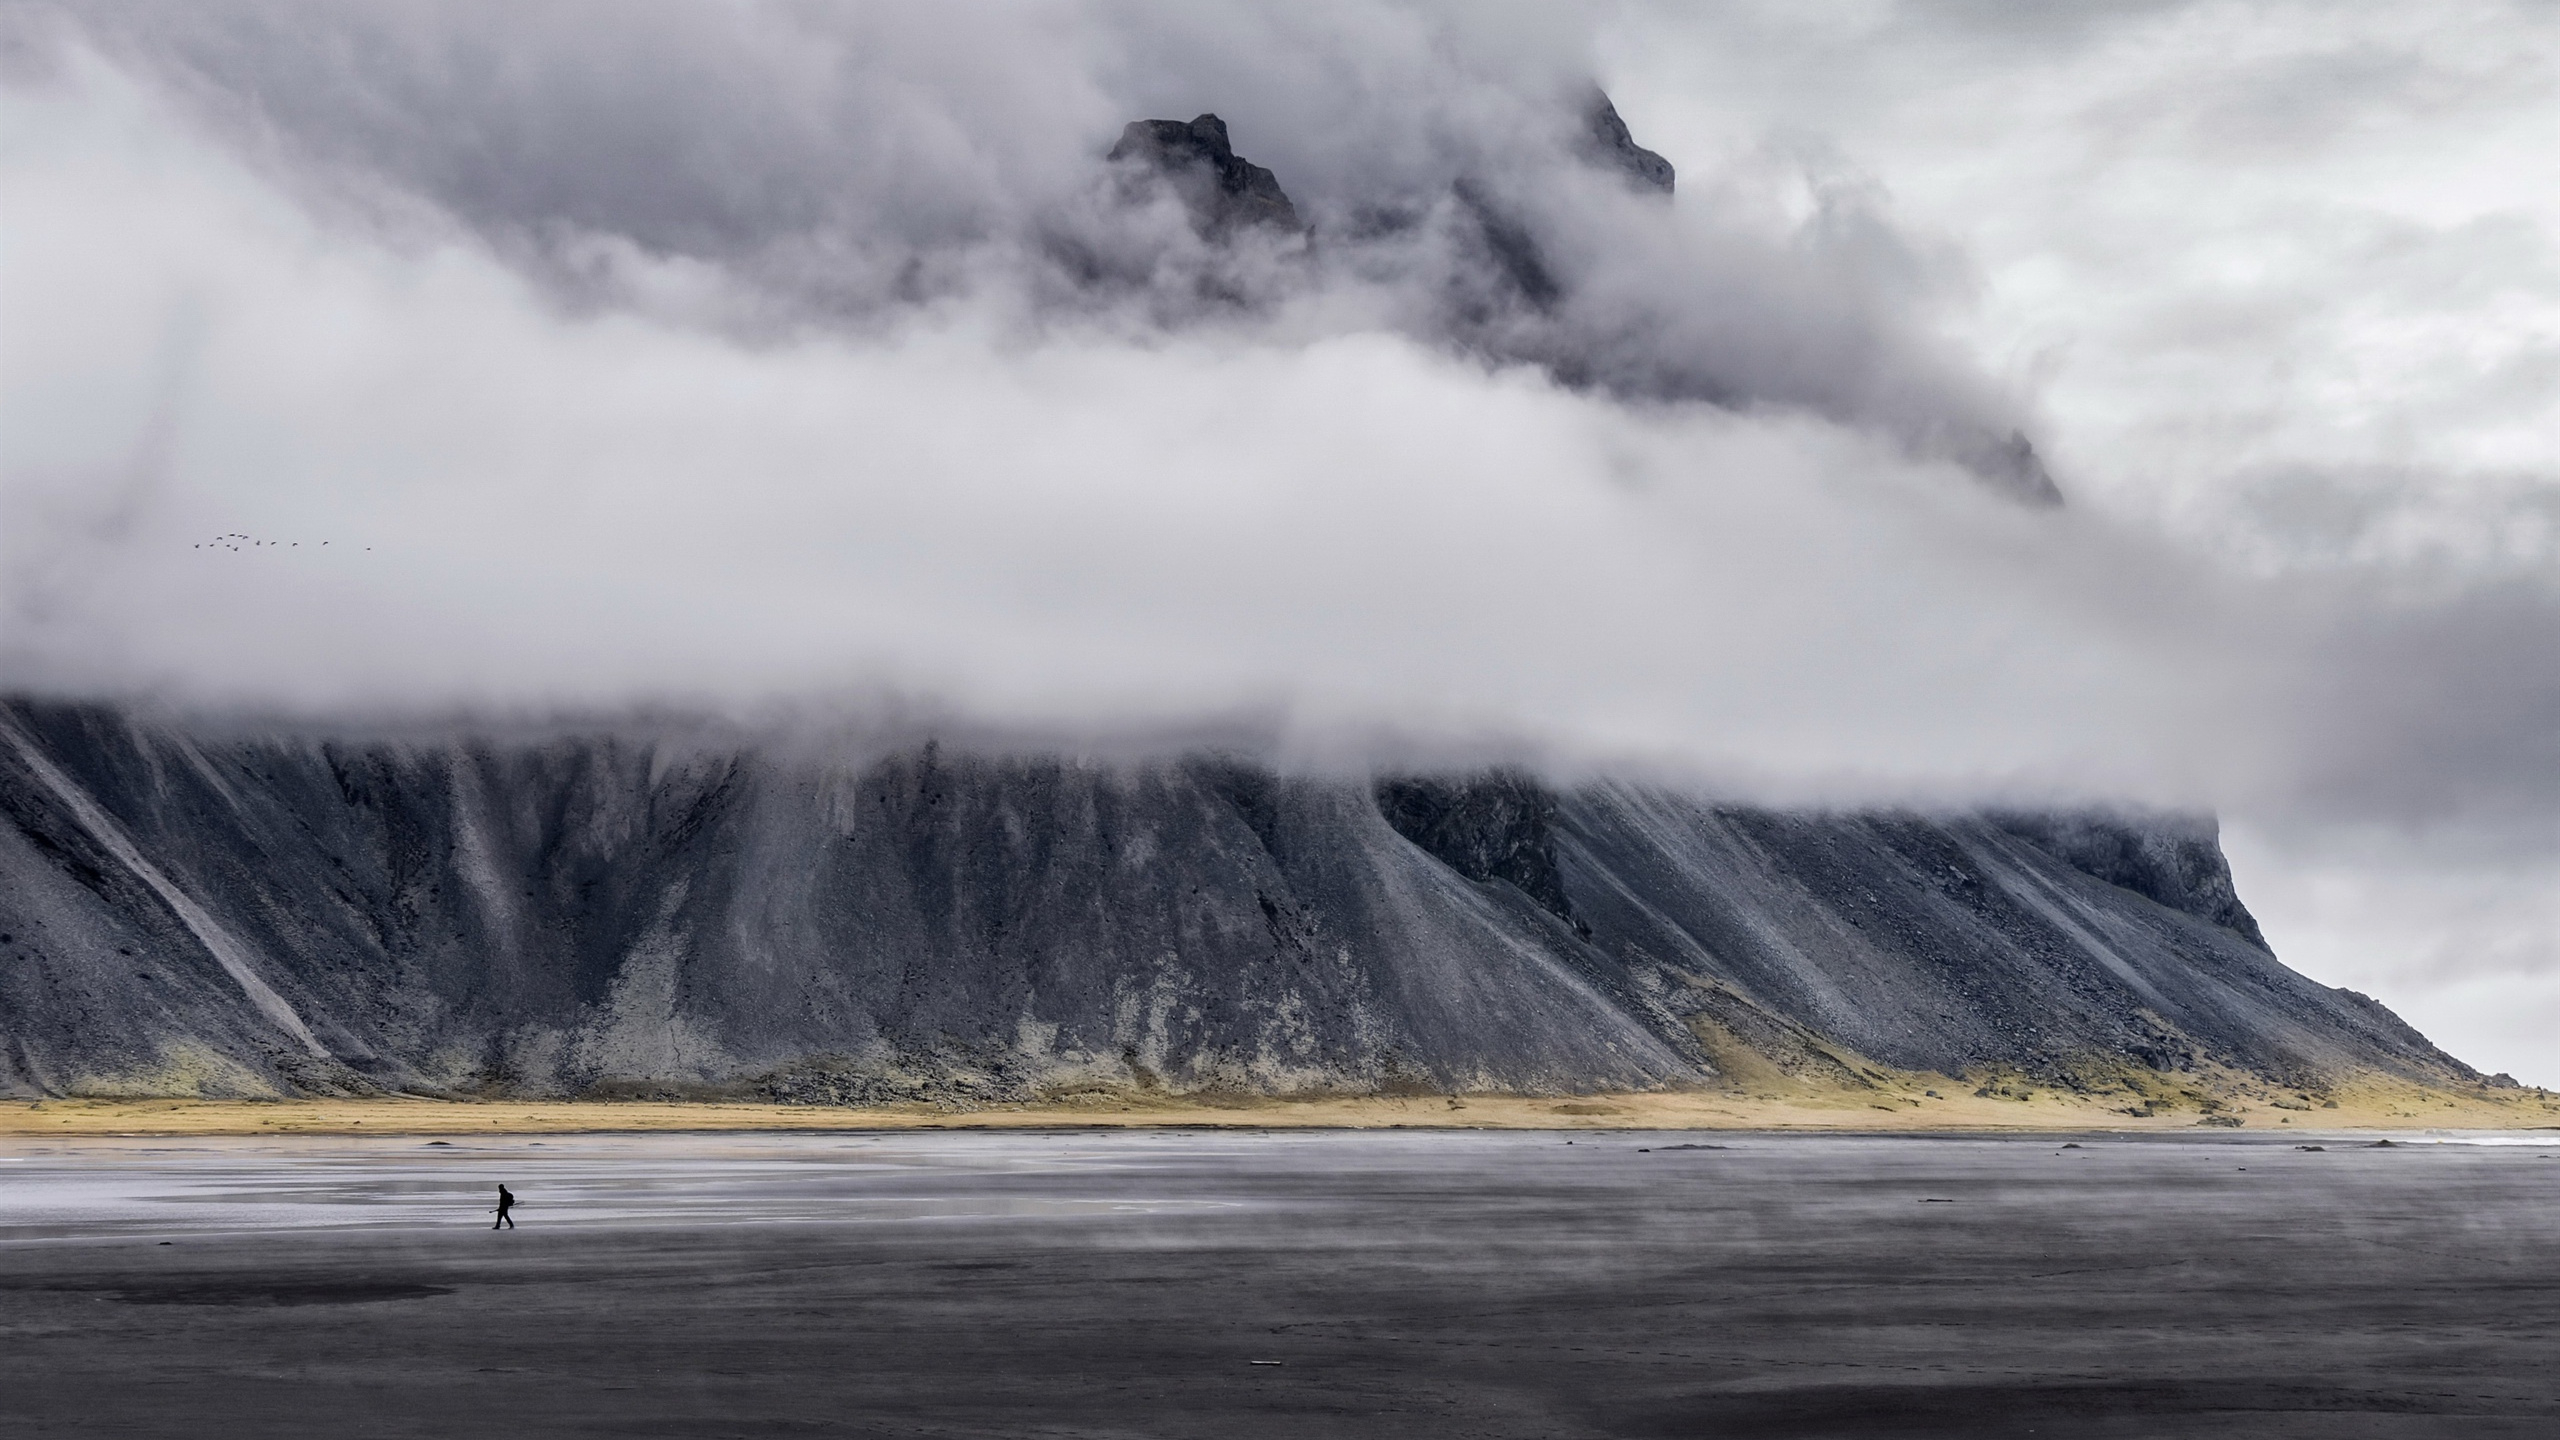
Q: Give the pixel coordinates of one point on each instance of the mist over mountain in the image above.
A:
(673, 163)
(1354, 388)
(625, 914)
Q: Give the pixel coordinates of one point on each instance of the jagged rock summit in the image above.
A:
(1223, 190)
(1608, 141)
(209, 910)
(1501, 293)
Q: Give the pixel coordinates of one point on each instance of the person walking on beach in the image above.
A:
(506, 1202)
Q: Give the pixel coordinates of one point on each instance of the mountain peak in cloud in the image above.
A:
(1610, 142)
(1498, 258)
(1222, 189)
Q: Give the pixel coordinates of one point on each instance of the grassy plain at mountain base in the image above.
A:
(1974, 1103)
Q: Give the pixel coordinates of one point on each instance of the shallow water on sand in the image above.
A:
(1406, 1283)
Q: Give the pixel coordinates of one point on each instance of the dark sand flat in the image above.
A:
(1407, 1284)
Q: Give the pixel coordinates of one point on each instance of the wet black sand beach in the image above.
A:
(1193, 1283)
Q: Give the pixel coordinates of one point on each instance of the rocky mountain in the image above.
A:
(1608, 141)
(1220, 188)
(1499, 286)
(192, 908)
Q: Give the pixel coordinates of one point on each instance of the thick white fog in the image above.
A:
(776, 361)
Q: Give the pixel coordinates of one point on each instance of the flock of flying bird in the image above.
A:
(237, 542)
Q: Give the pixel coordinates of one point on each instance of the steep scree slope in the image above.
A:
(195, 910)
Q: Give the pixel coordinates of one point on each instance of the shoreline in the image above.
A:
(2396, 1107)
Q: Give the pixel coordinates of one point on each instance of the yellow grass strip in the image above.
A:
(2379, 1105)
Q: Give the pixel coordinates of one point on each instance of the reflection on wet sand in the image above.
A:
(1139, 1282)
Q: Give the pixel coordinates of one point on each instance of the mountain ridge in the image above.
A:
(588, 914)
(1504, 296)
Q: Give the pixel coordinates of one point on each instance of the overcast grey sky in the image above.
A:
(741, 355)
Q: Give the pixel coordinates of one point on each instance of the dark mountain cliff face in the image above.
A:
(1609, 142)
(1220, 188)
(187, 911)
(1489, 827)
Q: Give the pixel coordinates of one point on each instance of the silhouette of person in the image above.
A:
(506, 1202)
